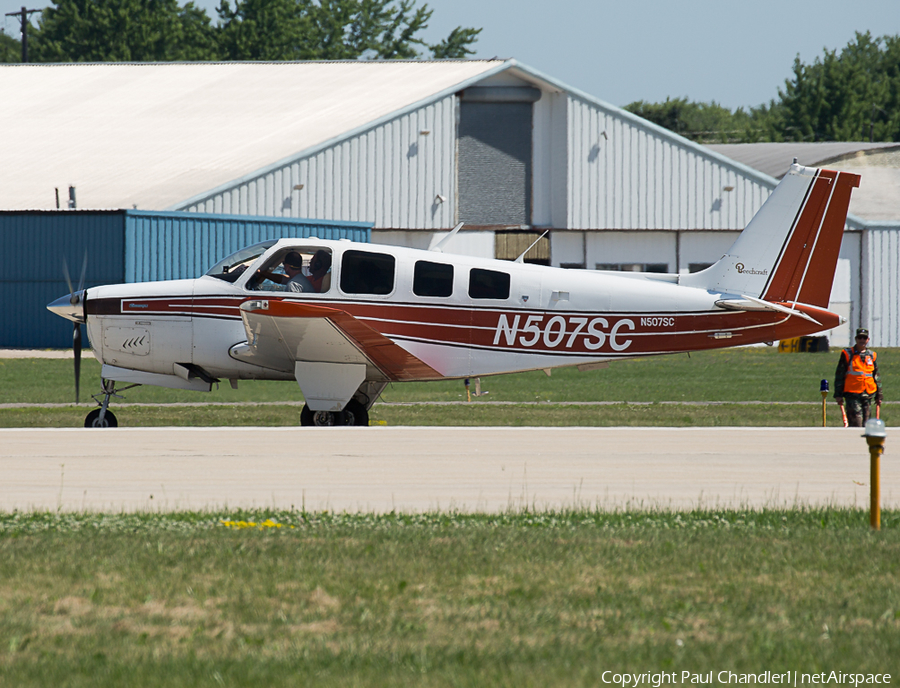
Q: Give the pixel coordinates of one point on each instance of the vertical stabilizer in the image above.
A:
(789, 251)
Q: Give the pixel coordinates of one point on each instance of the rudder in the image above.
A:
(789, 250)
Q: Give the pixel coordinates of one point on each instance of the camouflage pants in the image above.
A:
(857, 408)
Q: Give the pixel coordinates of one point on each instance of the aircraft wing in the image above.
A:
(283, 334)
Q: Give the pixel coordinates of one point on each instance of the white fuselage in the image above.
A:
(551, 317)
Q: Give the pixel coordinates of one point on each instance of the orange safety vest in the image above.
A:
(860, 377)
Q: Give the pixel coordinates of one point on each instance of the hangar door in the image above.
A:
(495, 151)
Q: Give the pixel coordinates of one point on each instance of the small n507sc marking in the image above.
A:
(657, 322)
(563, 331)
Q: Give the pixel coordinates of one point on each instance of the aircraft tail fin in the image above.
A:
(789, 251)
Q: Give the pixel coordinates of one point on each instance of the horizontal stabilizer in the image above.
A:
(749, 303)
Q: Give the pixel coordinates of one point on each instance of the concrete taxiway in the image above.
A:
(421, 469)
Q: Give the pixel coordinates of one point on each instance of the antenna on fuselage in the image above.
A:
(439, 246)
(521, 258)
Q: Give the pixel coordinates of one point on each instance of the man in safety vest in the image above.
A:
(856, 381)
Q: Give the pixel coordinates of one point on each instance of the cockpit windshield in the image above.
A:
(230, 268)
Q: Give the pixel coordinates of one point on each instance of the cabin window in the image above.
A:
(232, 267)
(298, 269)
(488, 284)
(432, 279)
(363, 272)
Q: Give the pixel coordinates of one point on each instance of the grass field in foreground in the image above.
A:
(731, 375)
(518, 599)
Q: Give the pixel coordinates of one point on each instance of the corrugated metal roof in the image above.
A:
(776, 158)
(878, 195)
(152, 135)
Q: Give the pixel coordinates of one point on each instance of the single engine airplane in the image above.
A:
(357, 316)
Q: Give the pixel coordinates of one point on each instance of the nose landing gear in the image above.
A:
(102, 417)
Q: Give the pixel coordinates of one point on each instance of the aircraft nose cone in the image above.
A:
(64, 308)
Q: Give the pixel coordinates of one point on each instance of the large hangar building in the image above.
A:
(408, 147)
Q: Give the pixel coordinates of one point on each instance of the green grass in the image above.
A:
(731, 375)
(746, 374)
(516, 599)
(475, 414)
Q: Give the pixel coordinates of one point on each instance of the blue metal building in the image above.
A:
(120, 246)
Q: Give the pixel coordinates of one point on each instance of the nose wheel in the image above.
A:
(95, 420)
(102, 417)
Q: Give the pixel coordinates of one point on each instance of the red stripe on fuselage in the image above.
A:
(567, 333)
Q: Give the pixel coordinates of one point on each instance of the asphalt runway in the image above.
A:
(423, 469)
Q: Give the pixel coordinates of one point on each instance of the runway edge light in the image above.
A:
(875, 434)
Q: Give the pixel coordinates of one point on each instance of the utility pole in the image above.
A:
(23, 19)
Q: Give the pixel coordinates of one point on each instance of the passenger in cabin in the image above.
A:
(293, 268)
(318, 269)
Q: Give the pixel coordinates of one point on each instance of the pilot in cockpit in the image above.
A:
(293, 279)
(293, 268)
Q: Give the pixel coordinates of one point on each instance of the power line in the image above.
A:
(23, 19)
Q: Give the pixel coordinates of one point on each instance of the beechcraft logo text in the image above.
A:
(749, 271)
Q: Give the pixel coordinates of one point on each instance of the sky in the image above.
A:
(737, 54)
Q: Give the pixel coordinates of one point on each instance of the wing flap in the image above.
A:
(288, 331)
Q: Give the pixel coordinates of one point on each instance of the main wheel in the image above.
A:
(322, 418)
(93, 420)
(355, 413)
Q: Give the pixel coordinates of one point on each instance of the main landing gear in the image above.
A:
(353, 414)
(356, 412)
(102, 417)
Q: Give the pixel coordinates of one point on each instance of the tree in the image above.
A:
(164, 30)
(10, 49)
(701, 122)
(124, 31)
(332, 30)
(851, 96)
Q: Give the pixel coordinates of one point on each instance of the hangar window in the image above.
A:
(488, 284)
(367, 273)
(432, 279)
(634, 267)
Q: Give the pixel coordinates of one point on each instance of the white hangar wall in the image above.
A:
(398, 174)
(677, 250)
(624, 174)
(593, 166)
(880, 303)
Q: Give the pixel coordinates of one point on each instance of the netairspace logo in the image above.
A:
(786, 678)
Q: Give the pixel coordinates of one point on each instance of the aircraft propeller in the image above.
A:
(74, 299)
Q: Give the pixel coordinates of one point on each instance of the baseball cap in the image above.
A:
(294, 259)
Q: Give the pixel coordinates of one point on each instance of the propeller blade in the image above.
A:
(76, 348)
(66, 275)
(83, 272)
